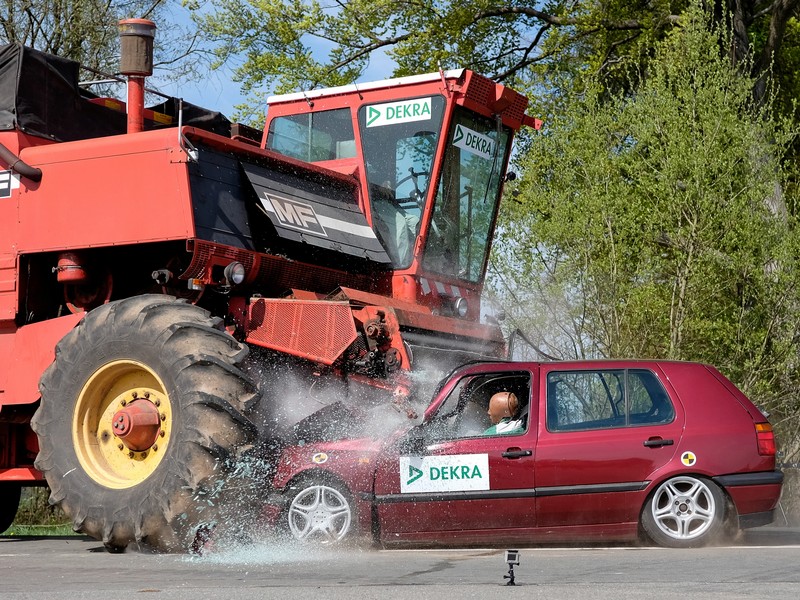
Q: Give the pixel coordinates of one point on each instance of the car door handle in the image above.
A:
(658, 442)
(516, 453)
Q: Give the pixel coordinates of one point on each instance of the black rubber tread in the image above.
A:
(715, 532)
(9, 504)
(199, 365)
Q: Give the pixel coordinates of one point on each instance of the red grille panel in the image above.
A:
(312, 329)
(481, 91)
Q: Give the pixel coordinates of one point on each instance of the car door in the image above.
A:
(605, 433)
(460, 484)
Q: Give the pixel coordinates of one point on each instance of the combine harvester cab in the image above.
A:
(169, 279)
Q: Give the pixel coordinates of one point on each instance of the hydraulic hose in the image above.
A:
(15, 163)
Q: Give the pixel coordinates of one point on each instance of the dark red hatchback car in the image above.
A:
(603, 450)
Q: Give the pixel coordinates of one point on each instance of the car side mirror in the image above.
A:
(413, 442)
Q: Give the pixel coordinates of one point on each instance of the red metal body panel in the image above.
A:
(421, 317)
(8, 286)
(716, 437)
(20, 474)
(26, 353)
(113, 186)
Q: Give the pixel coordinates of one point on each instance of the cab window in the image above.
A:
(582, 400)
(314, 137)
(399, 142)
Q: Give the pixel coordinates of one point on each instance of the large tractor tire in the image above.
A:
(9, 504)
(141, 422)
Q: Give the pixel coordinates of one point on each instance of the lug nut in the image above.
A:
(147, 394)
(135, 395)
(130, 454)
(155, 447)
(124, 402)
(121, 446)
(157, 402)
(163, 417)
(162, 433)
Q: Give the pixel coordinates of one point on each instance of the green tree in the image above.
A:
(653, 225)
(290, 44)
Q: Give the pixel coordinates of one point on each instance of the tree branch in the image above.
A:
(623, 25)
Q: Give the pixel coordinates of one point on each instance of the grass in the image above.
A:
(36, 517)
(40, 530)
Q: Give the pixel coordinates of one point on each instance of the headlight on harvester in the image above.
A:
(235, 273)
(459, 306)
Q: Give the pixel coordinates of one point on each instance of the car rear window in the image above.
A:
(602, 399)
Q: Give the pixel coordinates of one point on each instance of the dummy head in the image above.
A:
(503, 405)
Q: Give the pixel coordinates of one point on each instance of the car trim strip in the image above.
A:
(449, 496)
(760, 478)
(596, 488)
(602, 488)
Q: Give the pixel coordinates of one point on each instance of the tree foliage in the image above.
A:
(86, 31)
(653, 224)
(283, 45)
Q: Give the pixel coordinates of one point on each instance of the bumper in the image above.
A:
(756, 519)
(274, 504)
(754, 495)
(759, 478)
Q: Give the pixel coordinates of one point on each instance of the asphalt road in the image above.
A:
(765, 563)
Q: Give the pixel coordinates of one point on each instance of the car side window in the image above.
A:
(648, 400)
(464, 413)
(602, 399)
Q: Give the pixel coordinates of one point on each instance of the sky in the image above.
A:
(217, 91)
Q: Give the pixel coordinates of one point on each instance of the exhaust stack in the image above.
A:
(136, 63)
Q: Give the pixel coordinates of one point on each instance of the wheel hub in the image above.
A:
(122, 424)
(137, 425)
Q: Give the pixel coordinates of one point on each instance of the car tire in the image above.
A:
(9, 504)
(149, 349)
(319, 511)
(685, 512)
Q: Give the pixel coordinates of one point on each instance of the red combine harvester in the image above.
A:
(176, 291)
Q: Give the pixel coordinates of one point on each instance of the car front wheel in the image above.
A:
(685, 512)
(320, 513)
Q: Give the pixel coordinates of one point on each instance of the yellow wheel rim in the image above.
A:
(103, 455)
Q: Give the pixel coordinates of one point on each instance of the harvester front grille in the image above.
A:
(316, 330)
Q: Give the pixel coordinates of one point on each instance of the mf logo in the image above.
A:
(296, 215)
(8, 182)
